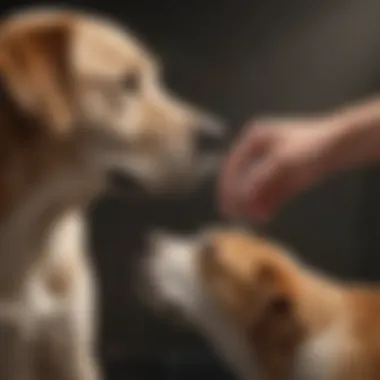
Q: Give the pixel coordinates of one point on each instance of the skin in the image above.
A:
(276, 159)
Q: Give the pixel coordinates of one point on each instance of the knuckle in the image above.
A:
(282, 162)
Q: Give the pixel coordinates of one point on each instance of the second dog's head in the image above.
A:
(242, 291)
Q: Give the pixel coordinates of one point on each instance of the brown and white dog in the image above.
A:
(268, 315)
(79, 98)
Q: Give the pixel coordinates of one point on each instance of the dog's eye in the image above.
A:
(131, 82)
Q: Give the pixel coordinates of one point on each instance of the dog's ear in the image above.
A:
(35, 75)
(272, 293)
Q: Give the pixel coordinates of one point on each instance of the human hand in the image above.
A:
(273, 161)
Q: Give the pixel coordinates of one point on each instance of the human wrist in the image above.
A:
(355, 136)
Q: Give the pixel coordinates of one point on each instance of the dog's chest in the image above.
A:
(319, 358)
(53, 278)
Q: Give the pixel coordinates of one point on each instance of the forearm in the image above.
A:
(356, 140)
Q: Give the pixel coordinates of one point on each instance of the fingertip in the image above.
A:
(229, 208)
(226, 191)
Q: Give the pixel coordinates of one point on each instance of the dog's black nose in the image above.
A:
(211, 137)
(208, 142)
(123, 183)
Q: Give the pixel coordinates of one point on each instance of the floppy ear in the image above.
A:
(273, 297)
(35, 75)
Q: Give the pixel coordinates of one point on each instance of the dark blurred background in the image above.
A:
(240, 59)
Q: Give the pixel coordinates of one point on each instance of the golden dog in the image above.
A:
(268, 315)
(79, 98)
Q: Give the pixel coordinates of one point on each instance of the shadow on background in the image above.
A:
(241, 59)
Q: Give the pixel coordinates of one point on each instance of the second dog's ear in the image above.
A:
(35, 73)
(272, 294)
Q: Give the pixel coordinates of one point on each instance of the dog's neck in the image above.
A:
(25, 230)
(40, 180)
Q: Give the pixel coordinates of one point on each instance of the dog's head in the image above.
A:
(240, 290)
(246, 275)
(85, 84)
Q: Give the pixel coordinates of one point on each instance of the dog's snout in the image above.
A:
(211, 136)
(208, 142)
(125, 183)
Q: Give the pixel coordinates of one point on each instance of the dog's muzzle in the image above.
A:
(212, 137)
(123, 184)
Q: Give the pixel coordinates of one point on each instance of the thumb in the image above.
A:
(266, 187)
